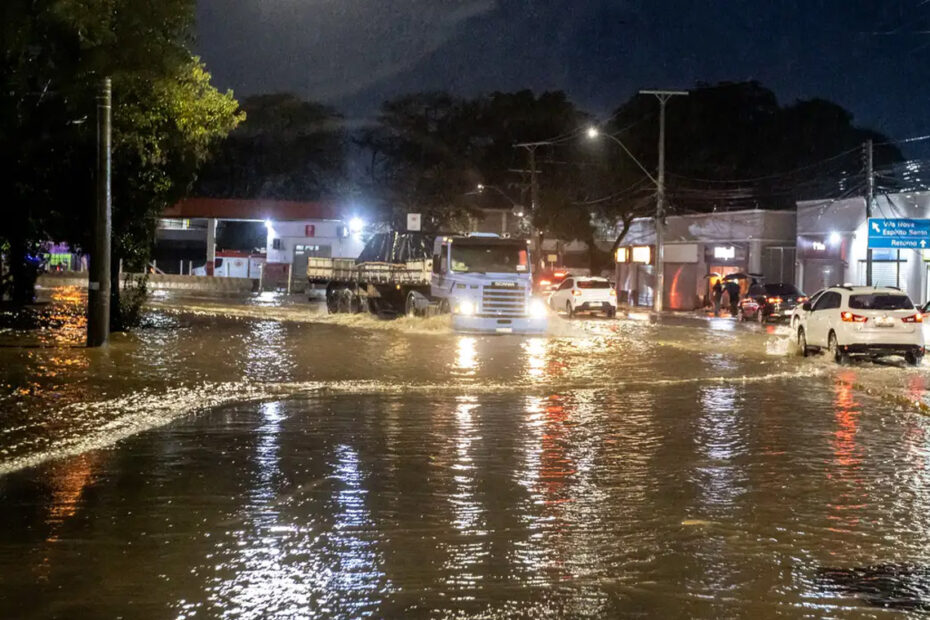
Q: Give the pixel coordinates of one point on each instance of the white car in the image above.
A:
(584, 294)
(866, 320)
(799, 312)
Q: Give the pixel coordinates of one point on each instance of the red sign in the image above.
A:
(310, 230)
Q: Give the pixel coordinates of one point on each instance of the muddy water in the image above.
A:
(260, 459)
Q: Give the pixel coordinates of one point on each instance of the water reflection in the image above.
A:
(466, 361)
(466, 556)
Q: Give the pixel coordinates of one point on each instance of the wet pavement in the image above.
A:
(260, 459)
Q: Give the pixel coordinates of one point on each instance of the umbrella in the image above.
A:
(739, 275)
(712, 274)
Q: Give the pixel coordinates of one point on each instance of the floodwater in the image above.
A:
(260, 459)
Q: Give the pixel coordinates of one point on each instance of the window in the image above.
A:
(567, 284)
(275, 244)
(593, 284)
(828, 301)
(880, 301)
(444, 260)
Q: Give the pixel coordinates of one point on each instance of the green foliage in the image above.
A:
(166, 116)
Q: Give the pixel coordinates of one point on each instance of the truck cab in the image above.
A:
(485, 282)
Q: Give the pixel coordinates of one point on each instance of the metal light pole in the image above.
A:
(534, 186)
(663, 96)
(98, 288)
(870, 197)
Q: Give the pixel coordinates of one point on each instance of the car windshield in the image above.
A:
(782, 290)
(880, 301)
(593, 284)
(489, 258)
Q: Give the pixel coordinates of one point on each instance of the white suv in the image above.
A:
(850, 320)
(580, 294)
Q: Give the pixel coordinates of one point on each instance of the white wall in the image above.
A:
(326, 233)
(847, 219)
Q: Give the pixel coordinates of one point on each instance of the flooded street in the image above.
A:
(261, 459)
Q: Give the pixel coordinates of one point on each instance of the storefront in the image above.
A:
(701, 248)
(832, 241)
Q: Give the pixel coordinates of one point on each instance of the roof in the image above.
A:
(241, 209)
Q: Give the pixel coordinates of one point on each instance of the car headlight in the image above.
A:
(537, 309)
(465, 307)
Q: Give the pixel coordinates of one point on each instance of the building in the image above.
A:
(832, 242)
(290, 231)
(702, 247)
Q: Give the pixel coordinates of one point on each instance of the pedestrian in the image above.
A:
(716, 293)
(733, 293)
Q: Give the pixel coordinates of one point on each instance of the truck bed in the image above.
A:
(346, 270)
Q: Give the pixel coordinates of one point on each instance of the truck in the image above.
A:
(483, 280)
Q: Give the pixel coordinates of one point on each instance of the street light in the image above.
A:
(593, 133)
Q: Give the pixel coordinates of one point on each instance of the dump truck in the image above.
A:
(482, 280)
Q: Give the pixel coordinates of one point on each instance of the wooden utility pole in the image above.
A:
(98, 287)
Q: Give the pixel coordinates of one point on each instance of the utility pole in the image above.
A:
(663, 96)
(870, 197)
(534, 188)
(98, 288)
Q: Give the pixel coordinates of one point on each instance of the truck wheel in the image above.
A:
(355, 303)
(444, 307)
(410, 305)
(332, 300)
(569, 310)
(913, 358)
(343, 301)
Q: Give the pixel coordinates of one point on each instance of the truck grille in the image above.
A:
(503, 301)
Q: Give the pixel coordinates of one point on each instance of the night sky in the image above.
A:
(872, 57)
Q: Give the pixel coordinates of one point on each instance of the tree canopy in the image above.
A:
(166, 117)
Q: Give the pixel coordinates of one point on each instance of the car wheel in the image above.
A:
(740, 316)
(611, 312)
(760, 316)
(568, 309)
(445, 307)
(839, 356)
(802, 343)
(913, 358)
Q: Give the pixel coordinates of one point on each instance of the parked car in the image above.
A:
(584, 294)
(862, 320)
(766, 302)
(548, 280)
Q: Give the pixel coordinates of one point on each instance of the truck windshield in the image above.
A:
(489, 258)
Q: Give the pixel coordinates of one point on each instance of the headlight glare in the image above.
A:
(537, 309)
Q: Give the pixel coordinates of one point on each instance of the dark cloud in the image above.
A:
(869, 56)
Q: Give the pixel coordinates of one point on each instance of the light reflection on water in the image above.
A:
(612, 471)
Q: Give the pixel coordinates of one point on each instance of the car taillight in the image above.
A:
(774, 300)
(576, 292)
(801, 300)
(914, 318)
(612, 293)
(559, 274)
(544, 283)
(849, 317)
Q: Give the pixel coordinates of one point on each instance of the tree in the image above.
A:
(731, 145)
(166, 118)
(287, 149)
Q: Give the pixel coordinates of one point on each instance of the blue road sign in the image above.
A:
(900, 234)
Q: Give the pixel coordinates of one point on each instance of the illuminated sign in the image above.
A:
(725, 252)
(818, 246)
(623, 255)
(642, 254)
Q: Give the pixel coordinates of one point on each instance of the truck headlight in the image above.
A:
(465, 307)
(537, 309)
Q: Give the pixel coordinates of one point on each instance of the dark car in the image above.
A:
(773, 302)
(548, 280)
